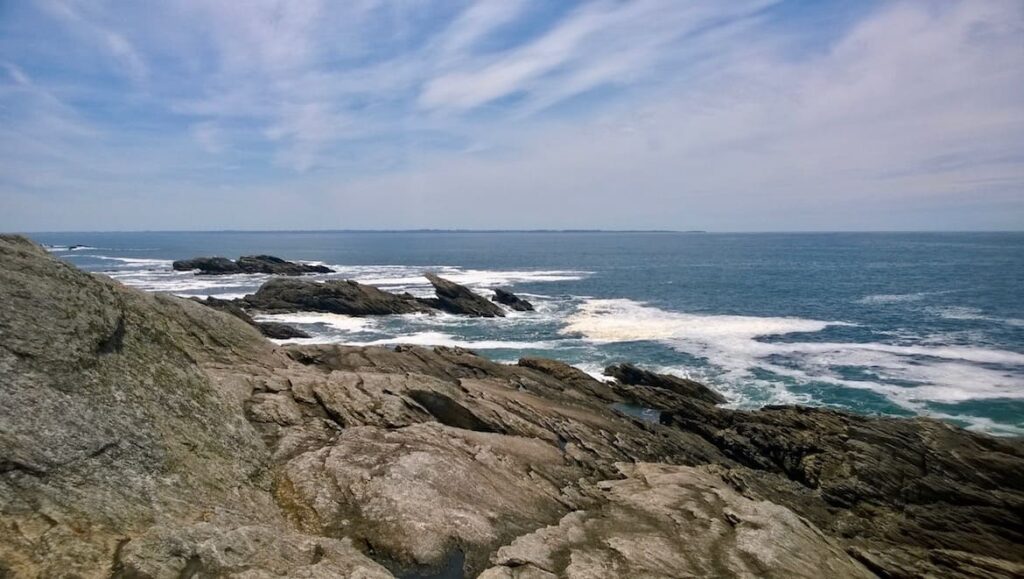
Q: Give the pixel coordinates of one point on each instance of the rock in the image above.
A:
(267, 264)
(896, 490)
(631, 375)
(676, 521)
(333, 296)
(456, 299)
(279, 331)
(276, 265)
(207, 265)
(274, 330)
(511, 300)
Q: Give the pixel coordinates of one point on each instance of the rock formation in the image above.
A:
(333, 296)
(456, 299)
(247, 264)
(144, 435)
(511, 300)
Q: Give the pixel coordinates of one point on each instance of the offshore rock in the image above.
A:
(511, 300)
(267, 264)
(457, 299)
(333, 296)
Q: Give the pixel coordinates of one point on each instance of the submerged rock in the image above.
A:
(333, 296)
(144, 435)
(511, 300)
(457, 299)
(267, 264)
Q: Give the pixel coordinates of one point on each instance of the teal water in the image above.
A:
(902, 324)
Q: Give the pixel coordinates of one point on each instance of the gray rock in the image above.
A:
(267, 264)
(334, 296)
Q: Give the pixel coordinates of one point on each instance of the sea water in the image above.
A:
(876, 323)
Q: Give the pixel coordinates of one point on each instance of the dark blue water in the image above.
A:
(923, 323)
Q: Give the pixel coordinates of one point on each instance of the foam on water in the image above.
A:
(337, 322)
(738, 347)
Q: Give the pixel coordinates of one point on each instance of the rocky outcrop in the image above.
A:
(511, 300)
(267, 264)
(333, 296)
(910, 497)
(144, 435)
(457, 299)
(690, 389)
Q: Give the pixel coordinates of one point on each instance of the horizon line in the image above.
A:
(537, 230)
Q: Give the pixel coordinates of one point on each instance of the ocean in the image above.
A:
(876, 323)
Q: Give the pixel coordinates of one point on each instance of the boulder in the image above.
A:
(266, 264)
(511, 300)
(631, 375)
(457, 299)
(333, 296)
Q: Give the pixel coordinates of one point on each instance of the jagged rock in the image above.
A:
(894, 489)
(333, 296)
(631, 375)
(456, 299)
(676, 521)
(511, 300)
(247, 264)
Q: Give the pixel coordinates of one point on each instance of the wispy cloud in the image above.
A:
(734, 115)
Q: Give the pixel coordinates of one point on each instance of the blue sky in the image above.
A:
(741, 115)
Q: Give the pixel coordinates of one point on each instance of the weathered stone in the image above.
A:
(676, 521)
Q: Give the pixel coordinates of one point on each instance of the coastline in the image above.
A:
(148, 435)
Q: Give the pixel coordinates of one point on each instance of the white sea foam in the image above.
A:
(137, 262)
(966, 313)
(908, 375)
(334, 321)
(897, 298)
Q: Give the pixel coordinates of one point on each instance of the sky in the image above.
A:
(746, 115)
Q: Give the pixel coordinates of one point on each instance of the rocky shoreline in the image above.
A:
(145, 435)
